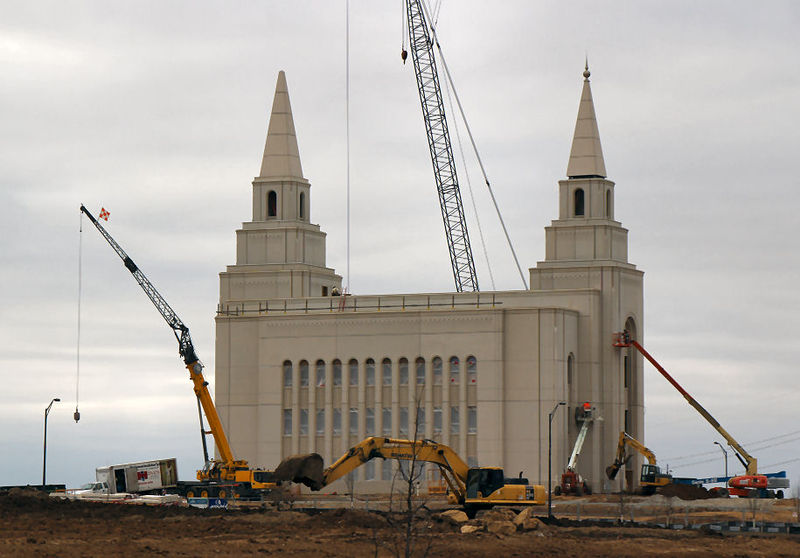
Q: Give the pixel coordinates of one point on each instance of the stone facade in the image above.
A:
(299, 369)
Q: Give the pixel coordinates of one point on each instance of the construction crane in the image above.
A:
(739, 485)
(444, 168)
(218, 474)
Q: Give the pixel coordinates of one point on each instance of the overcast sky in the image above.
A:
(158, 112)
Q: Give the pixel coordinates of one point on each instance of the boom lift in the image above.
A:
(571, 481)
(218, 476)
(750, 484)
(651, 477)
(472, 487)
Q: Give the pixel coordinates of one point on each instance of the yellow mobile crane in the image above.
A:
(219, 477)
(651, 477)
(472, 487)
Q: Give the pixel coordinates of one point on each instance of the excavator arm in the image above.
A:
(623, 339)
(620, 460)
(185, 346)
(452, 467)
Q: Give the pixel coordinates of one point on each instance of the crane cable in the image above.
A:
(77, 414)
(475, 148)
(469, 187)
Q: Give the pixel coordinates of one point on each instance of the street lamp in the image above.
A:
(549, 454)
(44, 452)
(726, 457)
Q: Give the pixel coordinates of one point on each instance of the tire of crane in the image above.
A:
(204, 494)
(190, 493)
(587, 489)
(779, 494)
(222, 493)
(557, 490)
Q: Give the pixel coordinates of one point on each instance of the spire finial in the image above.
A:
(586, 72)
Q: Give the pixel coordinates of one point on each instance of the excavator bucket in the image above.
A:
(612, 470)
(302, 469)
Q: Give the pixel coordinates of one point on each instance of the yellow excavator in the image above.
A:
(474, 488)
(651, 477)
(221, 477)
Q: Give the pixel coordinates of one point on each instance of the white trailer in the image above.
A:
(140, 478)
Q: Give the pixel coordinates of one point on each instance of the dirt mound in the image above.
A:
(303, 469)
(343, 517)
(684, 491)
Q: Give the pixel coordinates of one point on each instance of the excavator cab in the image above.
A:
(482, 482)
(650, 473)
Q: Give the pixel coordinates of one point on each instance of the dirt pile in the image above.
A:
(684, 491)
(302, 469)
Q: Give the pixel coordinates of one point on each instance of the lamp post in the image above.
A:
(44, 451)
(549, 458)
(726, 457)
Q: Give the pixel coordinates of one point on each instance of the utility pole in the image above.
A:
(549, 458)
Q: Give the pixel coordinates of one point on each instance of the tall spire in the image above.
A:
(281, 156)
(586, 157)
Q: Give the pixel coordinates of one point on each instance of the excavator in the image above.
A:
(751, 484)
(221, 477)
(651, 477)
(474, 488)
(571, 481)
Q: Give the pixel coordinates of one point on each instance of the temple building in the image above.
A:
(300, 368)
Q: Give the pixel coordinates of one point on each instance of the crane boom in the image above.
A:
(623, 339)
(444, 168)
(185, 346)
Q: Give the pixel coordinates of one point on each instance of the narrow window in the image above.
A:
(386, 429)
(419, 427)
(570, 365)
(626, 370)
(302, 205)
(272, 204)
(320, 373)
(420, 367)
(472, 419)
(608, 204)
(353, 367)
(303, 373)
(437, 371)
(369, 470)
(369, 419)
(287, 373)
(404, 421)
(337, 421)
(320, 422)
(579, 202)
(287, 422)
(337, 372)
(304, 422)
(437, 420)
(403, 369)
(455, 423)
(324, 291)
(472, 369)
(454, 370)
(353, 421)
(370, 369)
(387, 372)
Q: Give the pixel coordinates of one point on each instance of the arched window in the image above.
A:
(454, 370)
(337, 372)
(370, 372)
(303, 373)
(353, 368)
(320, 373)
(420, 368)
(287, 373)
(302, 205)
(272, 204)
(579, 202)
(403, 371)
(437, 371)
(608, 204)
(472, 369)
(387, 372)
